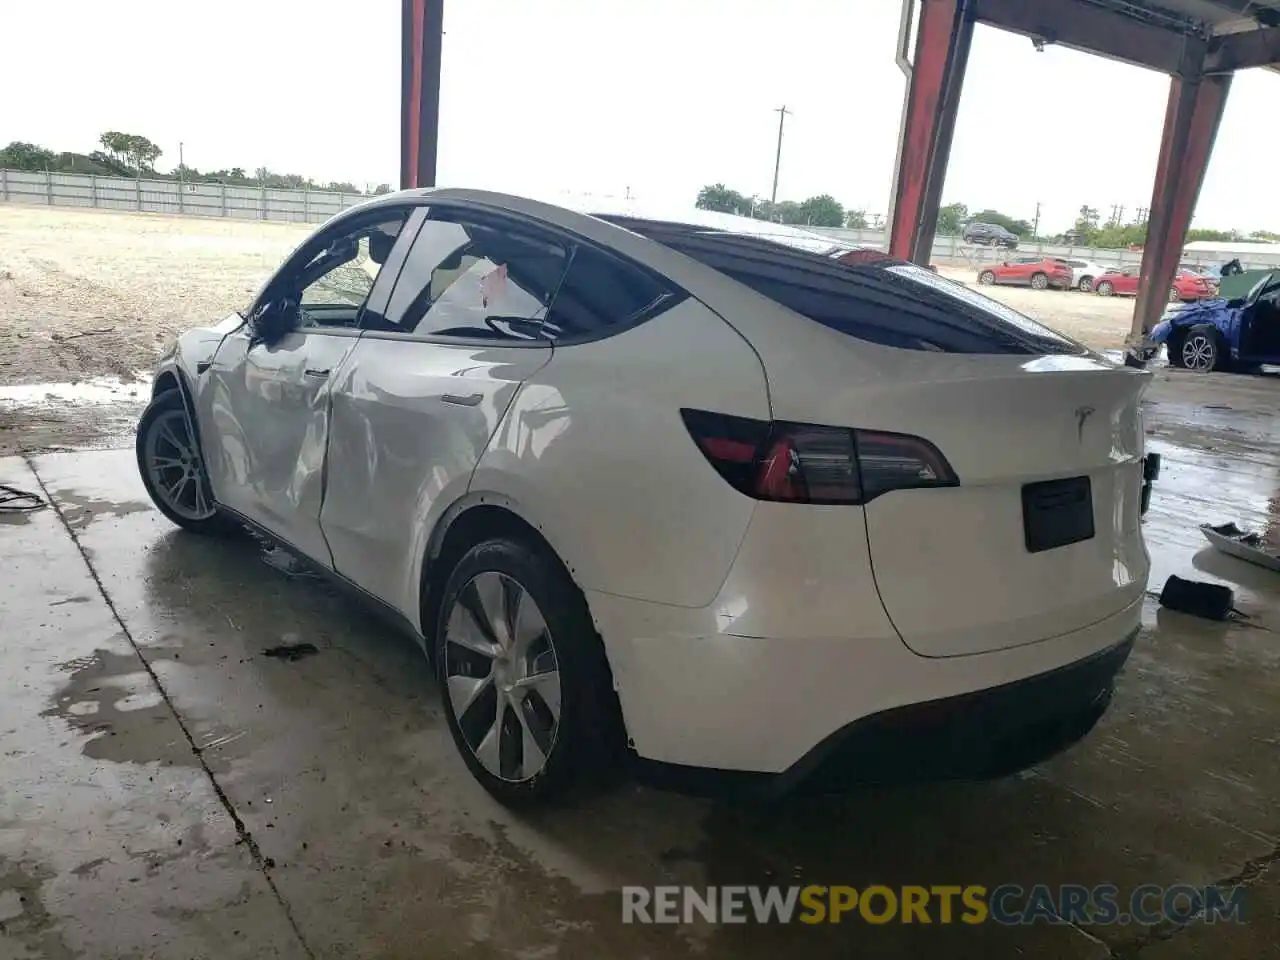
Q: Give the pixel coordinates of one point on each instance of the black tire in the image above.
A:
(1039, 281)
(1200, 349)
(1104, 289)
(1086, 285)
(169, 410)
(986, 278)
(587, 740)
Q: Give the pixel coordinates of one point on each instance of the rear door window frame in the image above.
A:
(499, 218)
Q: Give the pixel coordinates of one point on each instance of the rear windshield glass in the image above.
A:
(887, 302)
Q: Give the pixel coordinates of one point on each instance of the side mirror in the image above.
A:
(274, 319)
(1005, 264)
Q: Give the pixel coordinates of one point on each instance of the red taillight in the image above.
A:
(806, 463)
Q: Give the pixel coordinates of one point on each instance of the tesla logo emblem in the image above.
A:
(1082, 414)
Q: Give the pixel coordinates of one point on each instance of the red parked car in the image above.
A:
(1038, 272)
(1124, 282)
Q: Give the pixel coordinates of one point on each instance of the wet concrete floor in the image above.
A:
(167, 789)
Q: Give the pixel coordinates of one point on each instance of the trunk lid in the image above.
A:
(1044, 447)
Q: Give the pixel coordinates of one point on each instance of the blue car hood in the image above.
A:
(1214, 312)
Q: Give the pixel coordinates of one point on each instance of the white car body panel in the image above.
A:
(1088, 269)
(761, 704)
(405, 436)
(740, 633)
(1001, 421)
(264, 414)
(652, 519)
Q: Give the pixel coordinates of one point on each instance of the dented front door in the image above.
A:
(266, 408)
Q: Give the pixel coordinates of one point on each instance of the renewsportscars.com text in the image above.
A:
(1008, 904)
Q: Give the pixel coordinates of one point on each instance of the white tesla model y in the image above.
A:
(687, 495)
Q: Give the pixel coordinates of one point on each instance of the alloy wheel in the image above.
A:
(1174, 296)
(174, 468)
(1086, 285)
(1199, 353)
(502, 676)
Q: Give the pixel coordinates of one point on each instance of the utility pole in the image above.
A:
(1035, 227)
(782, 112)
(181, 164)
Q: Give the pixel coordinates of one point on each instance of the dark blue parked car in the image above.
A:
(1237, 334)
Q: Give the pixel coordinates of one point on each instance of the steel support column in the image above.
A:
(1190, 126)
(933, 95)
(421, 22)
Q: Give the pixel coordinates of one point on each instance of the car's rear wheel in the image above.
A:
(1039, 281)
(1200, 350)
(172, 469)
(1086, 284)
(986, 278)
(1105, 288)
(525, 682)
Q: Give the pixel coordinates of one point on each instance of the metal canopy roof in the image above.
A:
(1212, 16)
(1184, 38)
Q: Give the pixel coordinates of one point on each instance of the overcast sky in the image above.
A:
(598, 96)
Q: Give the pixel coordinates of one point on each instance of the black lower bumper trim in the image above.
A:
(974, 736)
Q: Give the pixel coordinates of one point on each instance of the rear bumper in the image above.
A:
(979, 735)
(694, 695)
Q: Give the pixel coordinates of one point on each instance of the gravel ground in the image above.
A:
(1098, 322)
(88, 298)
(85, 293)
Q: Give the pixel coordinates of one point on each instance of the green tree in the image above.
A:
(822, 211)
(1119, 237)
(788, 211)
(855, 219)
(1265, 236)
(26, 156)
(717, 196)
(1202, 233)
(381, 189)
(116, 144)
(951, 219)
(143, 152)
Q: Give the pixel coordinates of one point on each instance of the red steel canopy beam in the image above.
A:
(1239, 51)
(933, 97)
(420, 39)
(1190, 127)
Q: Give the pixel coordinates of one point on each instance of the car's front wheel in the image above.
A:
(526, 685)
(172, 469)
(986, 278)
(1105, 289)
(1200, 350)
(1086, 284)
